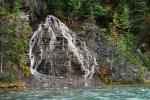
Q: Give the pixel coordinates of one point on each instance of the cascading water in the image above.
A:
(53, 48)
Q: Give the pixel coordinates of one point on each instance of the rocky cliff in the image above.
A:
(56, 50)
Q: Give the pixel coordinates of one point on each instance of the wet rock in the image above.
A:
(56, 50)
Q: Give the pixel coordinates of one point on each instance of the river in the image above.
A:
(109, 93)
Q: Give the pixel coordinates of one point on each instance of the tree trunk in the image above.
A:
(1, 71)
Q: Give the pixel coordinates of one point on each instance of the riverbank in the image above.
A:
(64, 84)
(14, 85)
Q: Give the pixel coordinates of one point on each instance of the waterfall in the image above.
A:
(49, 31)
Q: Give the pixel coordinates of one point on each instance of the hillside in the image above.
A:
(114, 32)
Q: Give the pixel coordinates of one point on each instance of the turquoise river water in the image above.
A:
(111, 93)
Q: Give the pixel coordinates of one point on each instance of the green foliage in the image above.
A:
(73, 7)
(56, 7)
(146, 61)
(27, 30)
(141, 75)
(103, 30)
(16, 6)
(8, 78)
(24, 59)
(17, 51)
(98, 9)
(109, 80)
(67, 9)
(14, 38)
(126, 41)
(139, 11)
(94, 8)
(140, 6)
(124, 50)
(124, 19)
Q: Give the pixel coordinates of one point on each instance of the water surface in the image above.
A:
(120, 93)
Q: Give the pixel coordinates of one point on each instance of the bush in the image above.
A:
(141, 75)
(8, 78)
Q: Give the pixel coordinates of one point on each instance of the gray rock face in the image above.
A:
(56, 50)
(107, 55)
(58, 54)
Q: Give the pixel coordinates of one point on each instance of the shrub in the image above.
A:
(141, 75)
(8, 78)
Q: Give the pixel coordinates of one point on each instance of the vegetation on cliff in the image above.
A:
(125, 23)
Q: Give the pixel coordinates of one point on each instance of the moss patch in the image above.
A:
(12, 85)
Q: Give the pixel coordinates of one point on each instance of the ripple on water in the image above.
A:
(124, 93)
